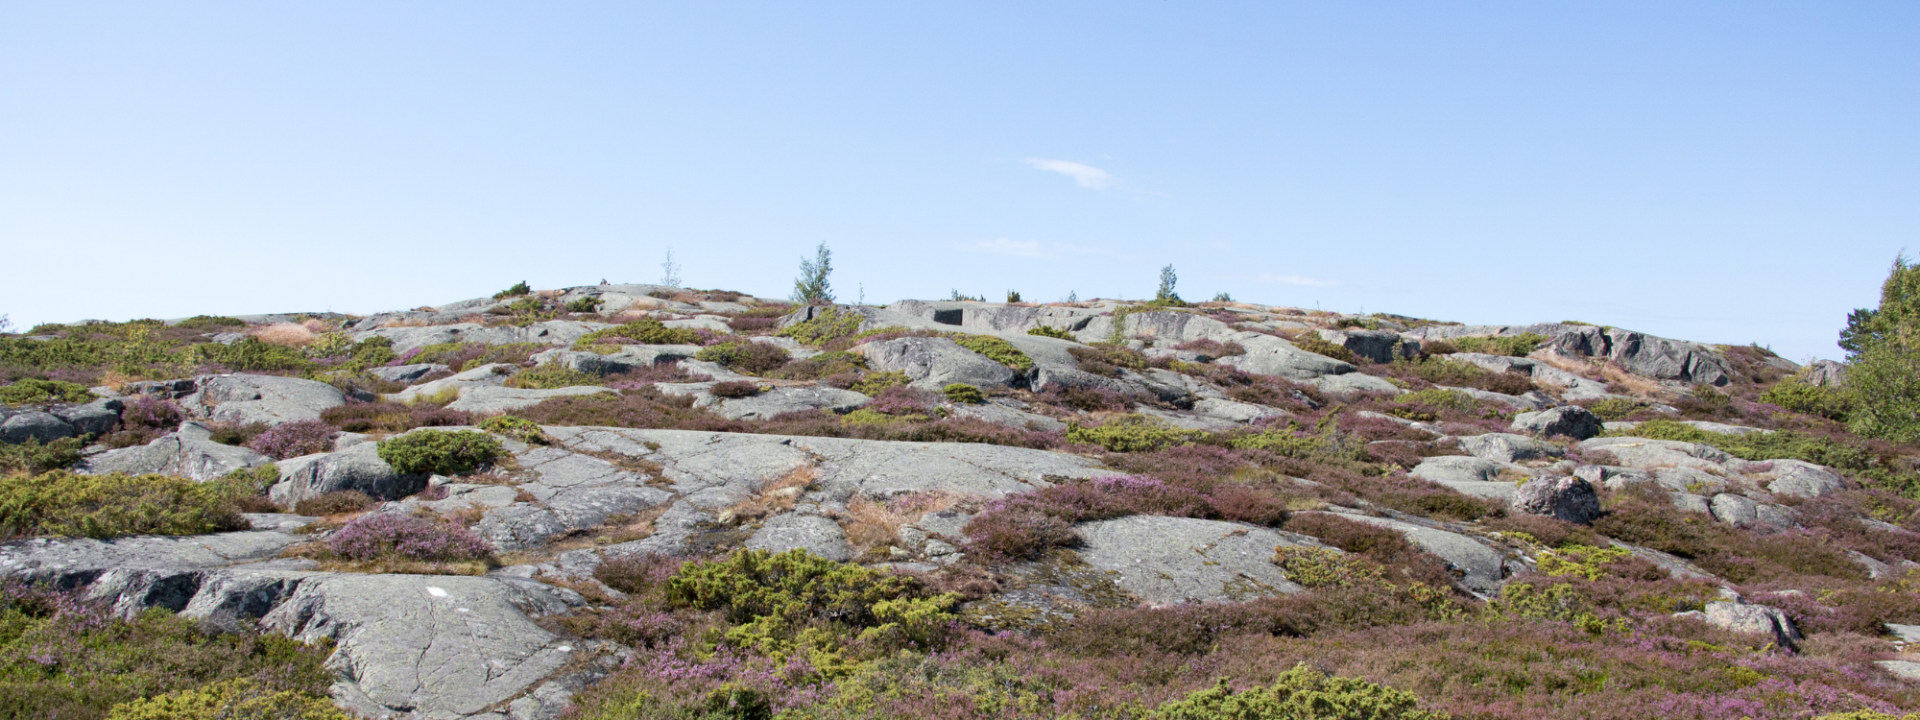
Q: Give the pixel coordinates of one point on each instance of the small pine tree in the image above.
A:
(1013, 296)
(812, 288)
(1222, 297)
(1165, 295)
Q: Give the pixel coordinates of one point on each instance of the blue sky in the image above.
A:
(1723, 172)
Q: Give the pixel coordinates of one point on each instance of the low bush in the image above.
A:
(1511, 345)
(826, 364)
(522, 429)
(552, 376)
(1052, 332)
(645, 331)
(1803, 397)
(67, 658)
(465, 356)
(1087, 399)
(1312, 342)
(439, 452)
(997, 350)
(391, 417)
(963, 393)
(237, 698)
(338, 502)
(1302, 693)
(1212, 348)
(211, 323)
(745, 356)
(585, 305)
(734, 389)
(1107, 360)
(32, 391)
(287, 440)
(1132, 433)
(63, 504)
(33, 457)
(1613, 408)
(827, 325)
(236, 435)
(380, 536)
(875, 383)
(518, 289)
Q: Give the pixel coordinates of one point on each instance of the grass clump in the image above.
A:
(875, 383)
(439, 452)
(522, 429)
(552, 376)
(211, 323)
(745, 356)
(63, 504)
(734, 389)
(645, 331)
(997, 350)
(1313, 343)
(1302, 693)
(34, 391)
(826, 326)
(1107, 360)
(824, 365)
(585, 305)
(1615, 408)
(963, 394)
(1511, 345)
(1132, 433)
(1052, 332)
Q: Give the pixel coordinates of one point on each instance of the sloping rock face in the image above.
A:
(1166, 560)
(995, 318)
(189, 453)
(1643, 354)
(355, 468)
(242, 399)
(934, 362)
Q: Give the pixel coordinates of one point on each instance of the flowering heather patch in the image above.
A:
(1212, 348)
(733, 389)
(901, 400)
(149, 412)
(294, 439)
(388, 535)
(391, 417)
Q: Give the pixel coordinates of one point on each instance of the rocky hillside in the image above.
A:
(624, 501)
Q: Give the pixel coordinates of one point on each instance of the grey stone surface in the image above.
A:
(269, 399)
(815, 534)
(1826, 373)
(933, 362)
(1734, 509)
(1506, 447)
(94, 418)
(550, 332)
(67, 559)
(1236, 411)
(186, 454)
(1167, 560)
(355, 468)
(1742, 617)
(1268, 355)
(780, 400)
(1354, 382)
(1482, 568)
(407, 373)
(995, 318)
(1570, 420)
(628, 359)
(1646, 355)
(38, 425)
(1572, 386)
(505, 399)
(998, 414)
(1903, 669)
(1799, 478)
(1648, 454)
(1530, 401)
(1566, 498)
(489, 375)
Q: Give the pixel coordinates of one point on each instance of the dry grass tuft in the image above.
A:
(871, 525)
(286, 334)
(776, 497)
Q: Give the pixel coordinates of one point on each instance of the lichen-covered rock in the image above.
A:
(782, 400)
(188, 453)
(818, 535)
(934, 362)
(407, 373)
(1646, 355)
(95, 418)
(1743, 617)
(39, 425)
(356, 468)
(1375, 345)
(1168, 560)
(270, 399)
(1566, 498)
(1570, 420)
(1506, 448)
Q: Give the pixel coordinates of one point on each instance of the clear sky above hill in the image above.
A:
(1726, 172)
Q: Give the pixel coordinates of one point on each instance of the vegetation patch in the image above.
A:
(1510, 345)
(1302, 693)
(645, 331)
(63, 504)
(439, 452)
(827, 325)
(522, 429)
(963, 394)
(552, 376)
(1052, 332)
(33, 391)
(997, 350)
(1313, 343)
(745, 356)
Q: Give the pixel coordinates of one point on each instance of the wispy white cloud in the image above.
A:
(1294, 280)
(1087, 176)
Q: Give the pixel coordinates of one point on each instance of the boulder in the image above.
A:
(188, 453)
(1826, 373)
(1644, 453)
(1799, 478)
(1566, 498)
(1743, 617)
(489, 375)
(1377, 346)
(1646, 355)
(1534, 400)
(818, 535)
(37, 425)
(270, 399)
(407, 373)
(1506, 448)
(627, 359)
(355, 468)
(1468, 475)
(1268, 355)
(934, 362)
(1169, 560)
(1570, 420)
(95, 418)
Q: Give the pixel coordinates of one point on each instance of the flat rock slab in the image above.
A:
(186, 454)
(1168, 560)
(779, 401)
(241, 399)
(812, 533)
(506, 399)
(62, 559)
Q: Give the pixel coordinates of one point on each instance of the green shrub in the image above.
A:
(66, 658)
(1777, 445)
(522, 429)
(585, 305)
(33, 457)
(873, 383)
(1313, 343)
(63, 504)
(744, 356)
(1512, 345)
(826, 364)
(440, 452)
(250, 354)
(32, 391)
(1799, 396)
(518, 289)
(1107, 360)
(1615, 408)
(1052, 332)
(1302, 693)
(1326, 444)
(827, 325)
(211, 323)
(551, 376)
(645, 331)
(1132, 433)
(1440, 398)
(997, 350)
(461, 356)
(963, 393)
(237, 698)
